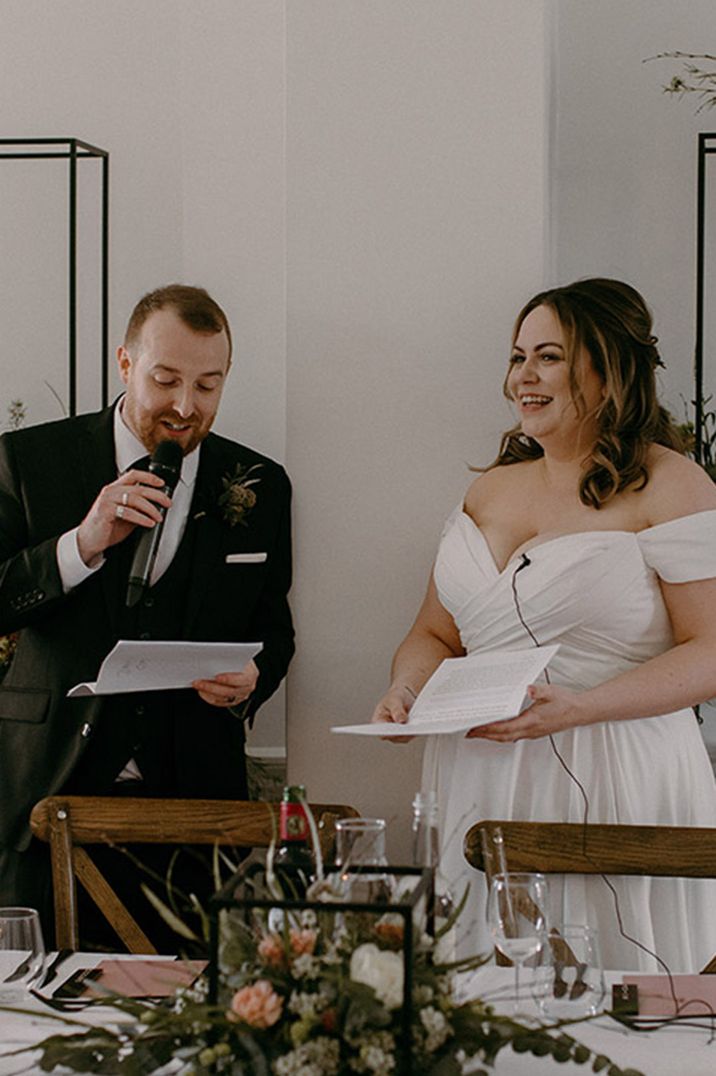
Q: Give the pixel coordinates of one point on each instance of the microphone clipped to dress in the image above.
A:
(166, 462)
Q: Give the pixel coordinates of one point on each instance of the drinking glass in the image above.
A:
(517, 919)
(360, 842)
(22, 952)
(569, 980)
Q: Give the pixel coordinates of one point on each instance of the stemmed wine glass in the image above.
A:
(516, 917)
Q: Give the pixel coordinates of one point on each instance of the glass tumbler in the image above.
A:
(22, 953)
(569, 979)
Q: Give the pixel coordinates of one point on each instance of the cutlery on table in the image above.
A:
(51, 971)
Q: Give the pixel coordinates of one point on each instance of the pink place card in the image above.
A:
(695, 994)
(144, 978)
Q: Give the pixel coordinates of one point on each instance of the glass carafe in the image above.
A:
(360, 842)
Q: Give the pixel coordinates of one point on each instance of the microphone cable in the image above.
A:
(525, 562)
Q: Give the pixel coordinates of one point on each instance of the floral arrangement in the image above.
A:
(238, 498)
(314, 992)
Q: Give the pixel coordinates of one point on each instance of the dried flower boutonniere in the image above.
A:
(8, 645)
(238, 498)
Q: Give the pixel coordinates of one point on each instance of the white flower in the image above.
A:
(306, 1004)
(376, 1054)
(436, 1026)
(305, 966)
(319, 1057)
(380, 969)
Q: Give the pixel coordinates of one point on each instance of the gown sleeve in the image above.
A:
(682, 549)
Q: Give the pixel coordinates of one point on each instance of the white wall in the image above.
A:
(361, 184)
(624, 159)
(415, 215)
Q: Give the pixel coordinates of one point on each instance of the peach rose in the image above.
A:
(271, 950)
(258, 1005)
(302, 941)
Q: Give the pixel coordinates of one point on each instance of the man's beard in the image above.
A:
(151, 431)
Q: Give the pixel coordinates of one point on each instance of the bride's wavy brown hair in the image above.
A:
(611, 321)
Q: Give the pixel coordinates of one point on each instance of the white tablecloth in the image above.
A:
(20, 1030)
(669, 1051)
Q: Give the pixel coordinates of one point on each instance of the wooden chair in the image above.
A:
(560, 848)
(68, 823)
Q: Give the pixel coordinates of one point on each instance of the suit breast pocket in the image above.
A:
(27, 705)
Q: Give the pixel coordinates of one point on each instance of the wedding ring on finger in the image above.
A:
(125, 498)
(119, 511)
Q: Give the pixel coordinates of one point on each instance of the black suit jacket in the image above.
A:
(49, 477)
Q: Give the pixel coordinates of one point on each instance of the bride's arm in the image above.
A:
(432, 638)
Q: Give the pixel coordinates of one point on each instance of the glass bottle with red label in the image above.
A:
(293, 861)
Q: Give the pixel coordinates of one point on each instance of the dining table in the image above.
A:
(681, 1048)
(26, 1022)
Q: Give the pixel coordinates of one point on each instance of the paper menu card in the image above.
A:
(149, 665)
(153, 978)
(466, 692)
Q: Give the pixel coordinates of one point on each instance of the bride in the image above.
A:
(590, 530)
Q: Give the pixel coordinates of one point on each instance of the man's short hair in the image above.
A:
(194, 306)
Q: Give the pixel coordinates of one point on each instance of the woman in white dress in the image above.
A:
(592, 531)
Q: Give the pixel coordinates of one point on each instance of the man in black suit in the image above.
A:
(72, 507)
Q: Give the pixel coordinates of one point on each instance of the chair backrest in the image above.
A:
(68, 823)
(597, 848)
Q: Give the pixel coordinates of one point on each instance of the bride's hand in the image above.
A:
(553, 709)
(394, 708)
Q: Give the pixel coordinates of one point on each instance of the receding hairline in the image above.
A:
(194, 307)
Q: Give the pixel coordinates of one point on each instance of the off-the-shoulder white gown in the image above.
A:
(597, 594)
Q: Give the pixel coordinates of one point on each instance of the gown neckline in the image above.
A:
(526, 548)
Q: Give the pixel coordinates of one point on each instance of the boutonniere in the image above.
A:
(238, 497)
(8, 646)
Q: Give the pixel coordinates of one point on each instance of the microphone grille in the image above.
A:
(166, 462)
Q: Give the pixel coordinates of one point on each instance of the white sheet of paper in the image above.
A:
(466, 692)
(149, 665)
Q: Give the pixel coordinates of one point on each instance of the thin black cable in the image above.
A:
(524, 563)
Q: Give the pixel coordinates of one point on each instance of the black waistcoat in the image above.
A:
(140, 725)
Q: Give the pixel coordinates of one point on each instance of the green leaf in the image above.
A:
(169, 917)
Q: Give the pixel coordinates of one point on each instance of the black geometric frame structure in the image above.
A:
(74, 150)
(707, 147)
(247, 892)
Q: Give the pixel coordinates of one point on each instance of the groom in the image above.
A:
(73, 504)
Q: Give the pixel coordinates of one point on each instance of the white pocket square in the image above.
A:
(246, 558)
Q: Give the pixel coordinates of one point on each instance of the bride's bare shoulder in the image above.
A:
(677, 486)
(496, 485)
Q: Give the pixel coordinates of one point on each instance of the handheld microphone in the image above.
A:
(165, 462)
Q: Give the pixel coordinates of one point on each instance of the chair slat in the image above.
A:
(568, 847)
(70, 822)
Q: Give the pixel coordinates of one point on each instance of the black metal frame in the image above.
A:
(707, 146)
(227, 898)
(75, 150)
